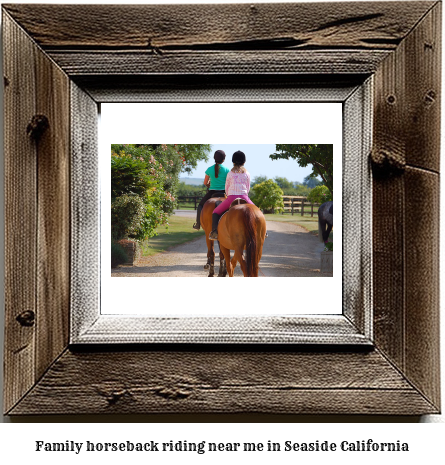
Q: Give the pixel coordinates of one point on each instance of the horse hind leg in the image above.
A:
(210, 265)
(222, 265)
(226, 253)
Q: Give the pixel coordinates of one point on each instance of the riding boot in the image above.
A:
(197, 225)
(213, 236)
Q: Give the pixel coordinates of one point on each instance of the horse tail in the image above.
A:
(251, 242)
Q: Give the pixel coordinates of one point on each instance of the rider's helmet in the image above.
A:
(239, 158)
(219, 156)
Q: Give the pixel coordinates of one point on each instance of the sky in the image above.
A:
(258, 162)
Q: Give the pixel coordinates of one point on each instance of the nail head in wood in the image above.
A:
(37, 126)
(430, 97)
(26, 318)
(387, 163)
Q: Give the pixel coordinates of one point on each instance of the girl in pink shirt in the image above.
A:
(237, 186)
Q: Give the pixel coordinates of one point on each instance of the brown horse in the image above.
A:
(206, 224)
(243, 227)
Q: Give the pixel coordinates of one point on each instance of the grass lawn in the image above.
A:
(178, 231)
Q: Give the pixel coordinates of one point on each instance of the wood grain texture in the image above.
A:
(388, 268)
(79, 63)
(154, 27)
(85, 208)
(20, 212)
(223, 382)
(53, 198)
(38, 222)
(407, 135)
(422, 281)
(423, 92)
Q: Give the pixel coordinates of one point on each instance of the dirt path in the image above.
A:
(289, 251)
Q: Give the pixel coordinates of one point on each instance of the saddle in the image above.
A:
(237, 201)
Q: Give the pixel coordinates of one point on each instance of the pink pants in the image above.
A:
(220, 209)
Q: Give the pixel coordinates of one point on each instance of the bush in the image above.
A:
(118, 255)
(320, 194)
(129, 176)
(267, 196)
(127, 216)
(150, 171)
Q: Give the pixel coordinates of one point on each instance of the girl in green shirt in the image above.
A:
(215, 180)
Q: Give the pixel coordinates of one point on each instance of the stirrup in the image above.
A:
(213, 236)
(196, 226)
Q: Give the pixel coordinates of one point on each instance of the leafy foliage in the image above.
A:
(190, 154)
(267, 196)
(284, 183)
(129, 176)
(320, 156)
(302, 190)
(320, 194)
(127, 216)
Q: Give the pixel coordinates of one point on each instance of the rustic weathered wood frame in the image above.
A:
(69, 58)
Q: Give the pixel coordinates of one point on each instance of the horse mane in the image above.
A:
(251, 242)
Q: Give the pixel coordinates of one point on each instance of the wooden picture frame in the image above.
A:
(59, 68)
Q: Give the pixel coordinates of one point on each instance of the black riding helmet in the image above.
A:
(219, 156)
(239, 158)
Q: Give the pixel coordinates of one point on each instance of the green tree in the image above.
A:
(258, 180)
(267, 196)
(286, 186)
(320, 156)
(311, 182)
(284, 183)
(302, 190)
(319, 194)
(190, 154)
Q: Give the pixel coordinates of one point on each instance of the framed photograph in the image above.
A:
(76, 342)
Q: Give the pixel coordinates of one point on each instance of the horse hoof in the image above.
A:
(206, 266)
